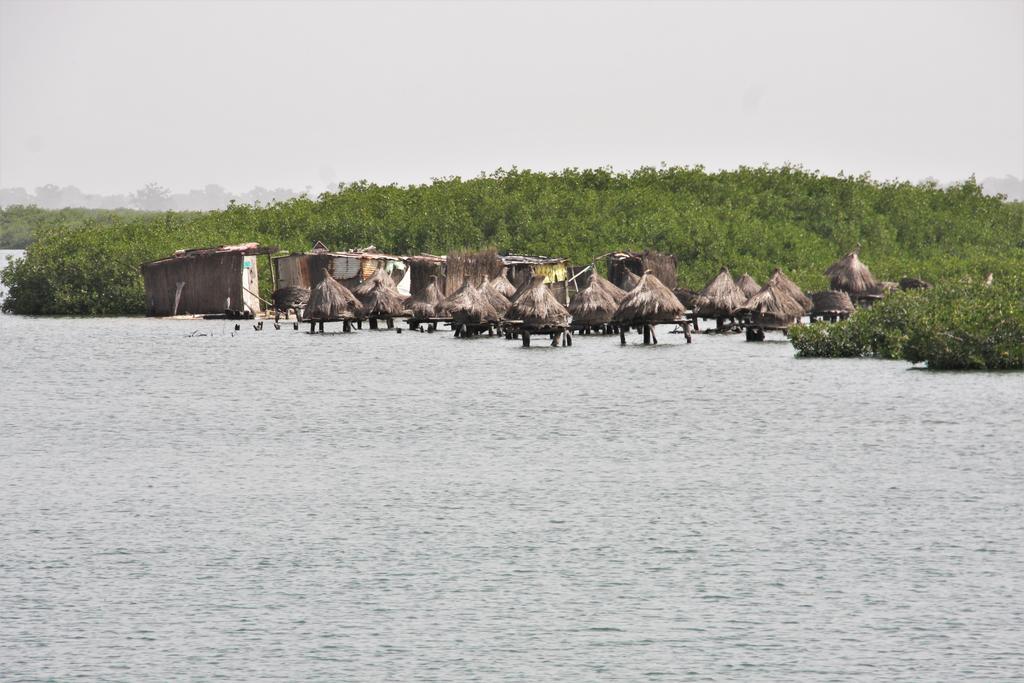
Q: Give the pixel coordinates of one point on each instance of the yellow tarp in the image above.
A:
(554, 272)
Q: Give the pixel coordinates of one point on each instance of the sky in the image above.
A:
(108, 96)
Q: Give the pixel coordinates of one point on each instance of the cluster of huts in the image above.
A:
(489, 293)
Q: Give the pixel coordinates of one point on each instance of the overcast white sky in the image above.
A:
(108, 96)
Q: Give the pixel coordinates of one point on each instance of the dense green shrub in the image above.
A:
(954, 326)
(751, 219)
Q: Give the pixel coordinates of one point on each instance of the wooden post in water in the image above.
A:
(526, 338)
(346, 326)
(321, 327)
(647, 335)
(312, 327)
(391, 323)
(622, 335)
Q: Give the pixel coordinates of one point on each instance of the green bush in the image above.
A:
(953, 326)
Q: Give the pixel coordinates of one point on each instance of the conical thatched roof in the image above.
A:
(594, 304)
(791, 288)
(831, 301)
(538, 307)
(607, 286)
(331, 300)
(469, 306)
(495, 298)
(747, 285)
(650, 302)
(379, 295)
(428, 302)
(720, 297)
(630, 280)
(520, 290)
(502, 284)
(773, 305)
(850, 275)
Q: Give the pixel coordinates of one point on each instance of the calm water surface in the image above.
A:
(378, 506)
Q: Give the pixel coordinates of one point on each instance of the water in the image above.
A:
(381, 506)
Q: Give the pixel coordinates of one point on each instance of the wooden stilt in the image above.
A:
(373, 323)
(654, 337)
(622, 335)
(312, 327)
(346, 326)
(526, 339)
(321, 327)
(568, 337)
(647, 335)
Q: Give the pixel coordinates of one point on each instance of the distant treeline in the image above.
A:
(152, 197)
(750, 219)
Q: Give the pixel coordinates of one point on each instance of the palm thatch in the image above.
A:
(594, 305)
(831, 301)
(469, 306)
(792, 289)
(380, 297)
(289, 297)
(747, 285)
(538, 307)
(772, 306)
(630, 280)
(470, 265)
(428, 302)
(649, 303)
(496, 298)
(331, 300)
(720, 297)
(501, 283)
(850, 275)
(607, 286)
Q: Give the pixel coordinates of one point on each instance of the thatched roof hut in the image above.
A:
(850, 275)
(772, 306)
(594, 305)
(747, 285)
(791, 288)
(379, 296)
(495, 298)
(331, 300)
(428, 303)
(538, 307)
(501, 283)
(469, 306)
(649, 303)
(720, 297)
(831, 302)
(607, 286)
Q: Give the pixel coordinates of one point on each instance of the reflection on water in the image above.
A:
(409, 506)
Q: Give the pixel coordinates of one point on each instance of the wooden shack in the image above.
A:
(351, 268)
(216, 280)
(519, 269)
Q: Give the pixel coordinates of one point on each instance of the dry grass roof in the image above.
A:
(469, 306)
(594, 304)
(496, 298)
(331, 300)
(831, 301)
(720, 297)
(791, 288)
(850, 275)
(289, 297)
(747, 285)
(502, 284)
(379, 296)
(649, 302)
(772, 304)
(538, 307)
(427, 303)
